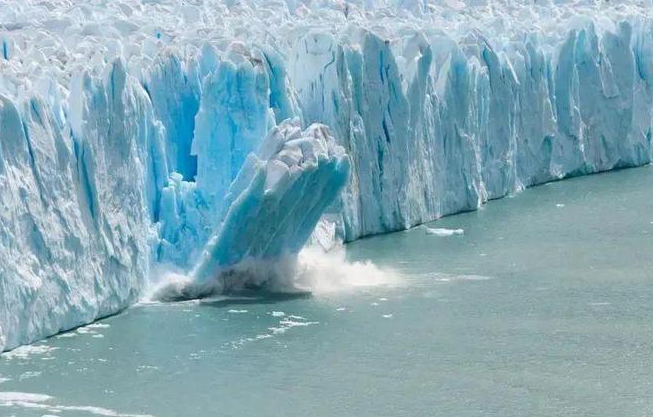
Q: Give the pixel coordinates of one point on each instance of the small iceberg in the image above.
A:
(443, 232)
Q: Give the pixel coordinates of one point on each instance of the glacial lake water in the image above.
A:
(543, 307)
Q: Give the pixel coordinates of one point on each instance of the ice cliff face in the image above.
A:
(74, 223)
(138, 133)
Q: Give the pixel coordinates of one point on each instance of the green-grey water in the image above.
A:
(542, 308)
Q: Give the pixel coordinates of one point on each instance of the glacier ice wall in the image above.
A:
(137, 133)
(436, 127)
(74, 228)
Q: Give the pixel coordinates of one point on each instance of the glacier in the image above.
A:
(207, 137)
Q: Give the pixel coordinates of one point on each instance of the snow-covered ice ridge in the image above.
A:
(134, 133)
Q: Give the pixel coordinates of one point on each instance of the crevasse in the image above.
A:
(134, 134)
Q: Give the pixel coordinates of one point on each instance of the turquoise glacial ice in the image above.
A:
(142, 136)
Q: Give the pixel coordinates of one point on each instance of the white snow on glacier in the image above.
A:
(137, 133)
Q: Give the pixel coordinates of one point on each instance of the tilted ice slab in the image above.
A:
(123, 127)
(276, 200)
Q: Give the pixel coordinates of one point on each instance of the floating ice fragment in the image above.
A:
(444, 232)
(98, 326)
(24, 352)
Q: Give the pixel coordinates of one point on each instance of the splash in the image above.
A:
(327, 272)
(313, 271)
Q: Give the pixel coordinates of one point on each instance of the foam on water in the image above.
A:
(34, 401)
(25, 352)
(286, 323)
(440, 277)
(23, 396)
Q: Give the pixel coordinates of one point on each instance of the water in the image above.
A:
(541, 308)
